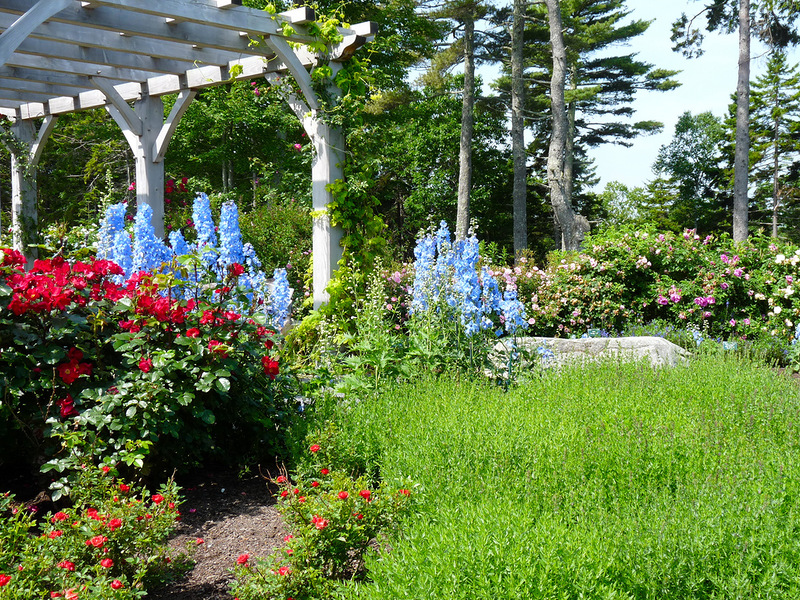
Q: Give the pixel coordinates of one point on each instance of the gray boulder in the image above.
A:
(658, 351)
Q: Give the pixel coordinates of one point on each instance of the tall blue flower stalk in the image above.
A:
(424, 274)
(448, 273)
(231, 249)
(112, 223)
(466, 293)
(280, 301)
(147, 253)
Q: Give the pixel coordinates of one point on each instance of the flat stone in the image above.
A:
(657, 350)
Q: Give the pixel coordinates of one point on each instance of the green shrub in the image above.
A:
(131, 374)
(109, 544)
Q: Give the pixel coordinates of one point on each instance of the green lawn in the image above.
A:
(606, 482)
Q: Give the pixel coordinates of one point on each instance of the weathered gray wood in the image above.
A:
(326, 167)
(68, 66)
(97, 38)
(41, 139)
(24, 215)
(182, 102)
(149, 173)
(237, 18)
(296, 68)
(31, 110)
(132, 120)
(12, 37)
(104, 56)
(143, 25)
(77, 81)
(26, 96)
(35, 87)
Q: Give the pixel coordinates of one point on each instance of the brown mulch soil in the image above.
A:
(232, 516)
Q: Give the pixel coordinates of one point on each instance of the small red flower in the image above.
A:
(157, 498)
(200, 541)
(116, 584)
(315, 484)
(193, 332)
(271, 367)
(358, 516)
(314, 448)
(114, 524)
(106, 563)
(404, 492)
(124, 487)
(55, 533)
(66, 564)
(324, 471)
(106, 468)
(343, 495)
(60, 516)
(284, 493)
(281, 479)
(284, 570)
(243, 558)
(97, 541)
(319, 522)
(145, 364)
(365, 494)
(4, 579)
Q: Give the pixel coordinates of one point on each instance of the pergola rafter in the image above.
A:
(61, 56)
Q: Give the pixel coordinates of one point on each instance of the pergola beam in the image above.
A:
(132, 120)
(12, 37)
(98, 38)
(62, 56)
(112, 58)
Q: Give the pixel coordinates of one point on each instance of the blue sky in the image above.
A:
(708, 83)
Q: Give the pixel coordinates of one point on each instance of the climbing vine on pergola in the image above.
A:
(62, 56)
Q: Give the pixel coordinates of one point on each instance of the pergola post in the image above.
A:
(327, 166)
(325, 169)
(26, 150)
(24, 216)
(141, 126)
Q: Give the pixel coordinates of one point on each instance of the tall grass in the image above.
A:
(609, 481)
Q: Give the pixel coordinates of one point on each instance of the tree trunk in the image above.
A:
(557, 152)
(741, 160)
(776, 188)
(519, 193)
(569, 158)
(467, 106)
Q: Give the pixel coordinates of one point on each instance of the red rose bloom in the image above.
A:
(343, 495)
(145, 365)
(4, 579)
(193, 332)
(97, 541)
(157, 498)
(243, 558)
(314, 448)
(116, 584)
(106, 563)
(365, 494)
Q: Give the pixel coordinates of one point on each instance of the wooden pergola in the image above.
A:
(62, 56)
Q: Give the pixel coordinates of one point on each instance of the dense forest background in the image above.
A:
(241, 141)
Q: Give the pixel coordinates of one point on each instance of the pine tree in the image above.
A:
(768, 20)
(775, 118)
